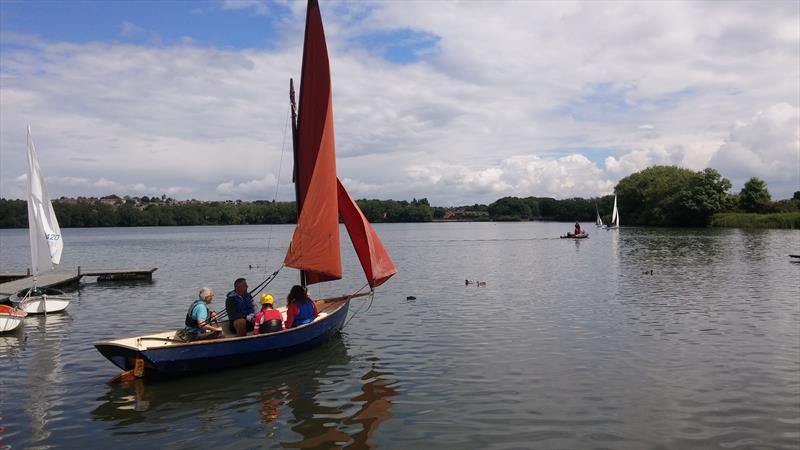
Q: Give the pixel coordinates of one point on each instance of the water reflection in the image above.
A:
(329, 426)
(314, 396)
(45, 372)
(12, 346)
(12, 343)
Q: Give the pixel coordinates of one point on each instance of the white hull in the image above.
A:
(9, 322)
(10, 318)
(44, 304)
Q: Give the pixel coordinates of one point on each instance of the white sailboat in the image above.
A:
(10, 318)
(598, 222)
(45, 240)
(614, 216)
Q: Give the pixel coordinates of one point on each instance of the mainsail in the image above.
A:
(315, 247)
(44, 232)
(315, 244)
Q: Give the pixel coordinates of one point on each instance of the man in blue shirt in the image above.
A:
(240, 309)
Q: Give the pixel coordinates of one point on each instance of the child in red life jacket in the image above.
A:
(268, 320)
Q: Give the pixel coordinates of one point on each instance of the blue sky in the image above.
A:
(206, 22)
(230, 25)
(457, 102)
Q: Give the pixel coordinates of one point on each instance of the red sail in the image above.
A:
(378, 266)
(315, 243)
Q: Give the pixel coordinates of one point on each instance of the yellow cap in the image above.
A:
(267, 299)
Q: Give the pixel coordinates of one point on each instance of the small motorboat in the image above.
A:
(575, 236)
(10, 318)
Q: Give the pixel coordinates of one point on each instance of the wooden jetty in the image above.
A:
(15, 282)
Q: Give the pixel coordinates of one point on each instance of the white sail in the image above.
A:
(44, 233)
(615, 214)
(598, 221)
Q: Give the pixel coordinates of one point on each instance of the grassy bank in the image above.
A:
(790, 220)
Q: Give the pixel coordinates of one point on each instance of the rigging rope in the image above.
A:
(278, 181)
(371, 296)
(266, 282)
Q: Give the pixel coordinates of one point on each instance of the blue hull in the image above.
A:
(204, 356)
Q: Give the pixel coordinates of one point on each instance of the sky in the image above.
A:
(457, 102)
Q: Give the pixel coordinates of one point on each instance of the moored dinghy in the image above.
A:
(10, 318)
(45, 240)
(314, 248)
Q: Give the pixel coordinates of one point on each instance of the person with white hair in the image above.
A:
(199, 319)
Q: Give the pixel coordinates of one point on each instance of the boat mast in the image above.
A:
(295, 174)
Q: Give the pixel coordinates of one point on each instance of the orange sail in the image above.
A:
(378, 266)
(315, 243)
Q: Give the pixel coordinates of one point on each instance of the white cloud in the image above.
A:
(262, 188)
(640, 159)
(516, 98)
(257, 6)
(74, 186)
(128, 29)
(766, 146)
(131, 30)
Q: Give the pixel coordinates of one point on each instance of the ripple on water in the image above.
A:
(702, 354)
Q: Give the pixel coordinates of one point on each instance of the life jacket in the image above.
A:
(268, 325)
(191, 321)
(305, 313)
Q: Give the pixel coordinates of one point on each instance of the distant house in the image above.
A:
(111, 200)
(463, 214)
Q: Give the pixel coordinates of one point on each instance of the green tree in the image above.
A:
(705, 195)
(671, 196)
(754, 196)
(510, 208)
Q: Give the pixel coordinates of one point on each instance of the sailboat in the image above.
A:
(10, 318)
(614, 216)
(45, 240)
(598, 222)
(314, 248)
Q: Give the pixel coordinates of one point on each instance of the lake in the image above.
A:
(569, 345)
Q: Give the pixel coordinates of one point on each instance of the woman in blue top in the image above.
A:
(301, 309)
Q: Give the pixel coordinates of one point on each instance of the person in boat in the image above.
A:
(199, 319)
(301, 309)
(578, 229)
(240, 309)
(269, 319)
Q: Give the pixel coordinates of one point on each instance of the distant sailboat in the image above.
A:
(614, 216)
(598, 222)
(45, 240)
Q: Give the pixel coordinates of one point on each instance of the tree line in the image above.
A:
(130, 212)
(662, 196)
(656, 196)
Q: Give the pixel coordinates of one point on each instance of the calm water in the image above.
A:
(567, 346)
